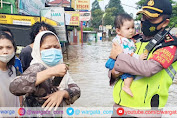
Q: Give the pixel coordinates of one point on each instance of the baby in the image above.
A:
(124, 25)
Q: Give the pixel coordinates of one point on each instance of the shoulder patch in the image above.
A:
(164, 56)
(168, 38)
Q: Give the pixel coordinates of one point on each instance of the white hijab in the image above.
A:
(36, 53)
(37, 59)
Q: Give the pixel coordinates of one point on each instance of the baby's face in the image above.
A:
(127, 30)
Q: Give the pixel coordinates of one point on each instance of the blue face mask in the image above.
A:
(51, 57)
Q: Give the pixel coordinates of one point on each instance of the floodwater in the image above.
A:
(172, 99)
(87, 68)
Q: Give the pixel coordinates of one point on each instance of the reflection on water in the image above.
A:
(86, 64)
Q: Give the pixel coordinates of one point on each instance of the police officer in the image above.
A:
(154, 75)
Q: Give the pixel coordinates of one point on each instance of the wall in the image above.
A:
(7, 7)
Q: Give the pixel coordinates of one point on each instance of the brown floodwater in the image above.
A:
(87, 68)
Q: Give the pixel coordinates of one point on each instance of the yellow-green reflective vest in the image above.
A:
(144, 88)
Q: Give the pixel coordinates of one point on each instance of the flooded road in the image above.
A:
(172, 99)
(87, 68)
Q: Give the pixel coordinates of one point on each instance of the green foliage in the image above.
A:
(173, 18)
(108, 20)
(95, 5)
(113, 8)
(139, 6)
(7, 7)
(97, 14)
(88, 29)
(117, 5)
(140, 3)
(78, 28)
(113, 11)
(70, 28)
(97, 18)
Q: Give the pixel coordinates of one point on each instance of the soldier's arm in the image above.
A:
(127, 64)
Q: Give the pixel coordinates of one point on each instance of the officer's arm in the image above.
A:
(127, 64)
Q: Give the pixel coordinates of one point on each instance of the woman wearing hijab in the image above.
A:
(46, 82)
(7, 70)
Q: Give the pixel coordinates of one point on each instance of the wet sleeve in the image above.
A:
(73, 90)
(25, 83)
(127, 64)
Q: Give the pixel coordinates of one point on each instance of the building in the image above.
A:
(59, 3)
(9, 6)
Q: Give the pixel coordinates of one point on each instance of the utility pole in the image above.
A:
(103, 19)
(82, 32)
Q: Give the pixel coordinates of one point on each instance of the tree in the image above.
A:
(109, 16)
(117, 5)
(140, 4)
(97, 18)
(173, 18)
(97, 14)
(113, 8)
(95, 5)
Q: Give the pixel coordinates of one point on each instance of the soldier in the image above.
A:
(154, 75)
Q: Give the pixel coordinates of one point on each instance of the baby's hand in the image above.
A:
(143, 56)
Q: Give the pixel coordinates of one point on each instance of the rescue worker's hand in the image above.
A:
(115, 51)
(143, 56)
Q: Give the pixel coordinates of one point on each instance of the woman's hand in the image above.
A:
(58, 70)
(54, 99)
(115, 51)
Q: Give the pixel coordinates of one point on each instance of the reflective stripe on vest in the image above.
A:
(171, 72)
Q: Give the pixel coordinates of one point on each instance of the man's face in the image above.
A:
(154, 20)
